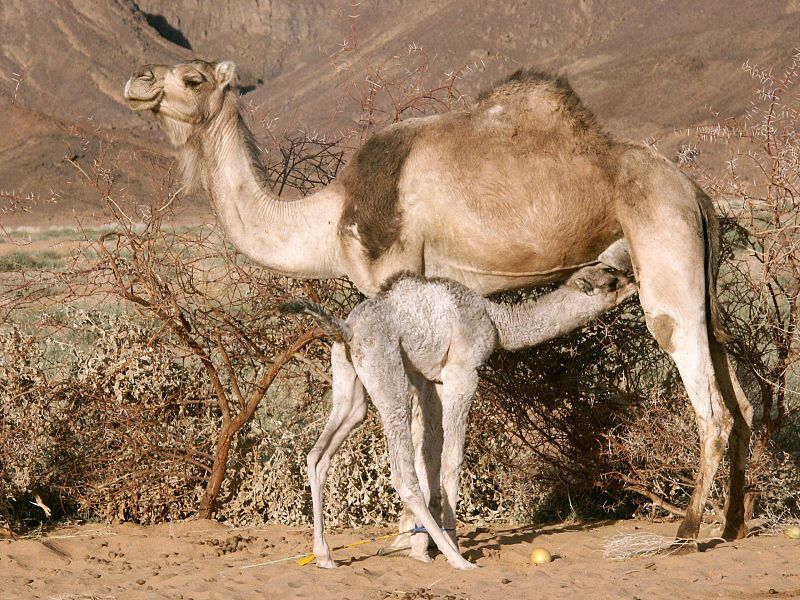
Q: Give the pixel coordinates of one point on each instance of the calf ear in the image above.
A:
(225, 73)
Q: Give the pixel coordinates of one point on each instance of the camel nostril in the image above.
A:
(145, 73)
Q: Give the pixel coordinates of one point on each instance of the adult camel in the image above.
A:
(520, 189)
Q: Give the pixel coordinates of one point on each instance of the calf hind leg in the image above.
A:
(348, 411)
(391, 392)
(457, 390)
(405, 481)
(426, 434)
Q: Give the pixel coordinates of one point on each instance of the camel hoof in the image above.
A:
(733, 533)
(327, 563)
(681, 547)
(689, 529)
(421, 557)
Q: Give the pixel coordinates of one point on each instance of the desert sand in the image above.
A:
(207, 560)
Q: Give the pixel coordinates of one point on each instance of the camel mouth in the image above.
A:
(142, 102)
(139, 104)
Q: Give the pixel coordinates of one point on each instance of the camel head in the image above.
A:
(184, 97)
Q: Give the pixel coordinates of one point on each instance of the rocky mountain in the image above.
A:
(646, 68)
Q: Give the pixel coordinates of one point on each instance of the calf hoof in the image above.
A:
(327, 563)
(463, 564)
(401, 543)
(421, 557)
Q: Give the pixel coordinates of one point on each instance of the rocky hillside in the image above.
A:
(646, 68)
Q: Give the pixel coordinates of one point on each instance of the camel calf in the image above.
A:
(442, 331)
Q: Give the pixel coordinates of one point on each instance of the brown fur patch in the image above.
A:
(662, 327)
(370, 184)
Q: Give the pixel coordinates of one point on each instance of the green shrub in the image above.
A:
(19, 261)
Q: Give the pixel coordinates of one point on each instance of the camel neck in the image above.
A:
(291, 237)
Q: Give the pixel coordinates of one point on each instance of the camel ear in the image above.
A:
(225, 73)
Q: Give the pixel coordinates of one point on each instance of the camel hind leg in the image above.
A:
(738, 445)
(735, 399)
(671, 251)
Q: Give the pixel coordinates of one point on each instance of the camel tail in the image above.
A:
(710, 237)
(333, 326)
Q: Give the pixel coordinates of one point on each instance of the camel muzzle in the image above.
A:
(142, 99)
(143, 90)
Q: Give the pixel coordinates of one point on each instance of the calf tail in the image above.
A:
(332, 325)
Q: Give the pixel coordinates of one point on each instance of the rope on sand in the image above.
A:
(309, 558)
(305, 559)
(272, 562)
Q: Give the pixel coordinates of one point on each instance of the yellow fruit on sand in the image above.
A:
(540, 556)
(792, 532)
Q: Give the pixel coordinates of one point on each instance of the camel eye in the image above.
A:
(193, 82)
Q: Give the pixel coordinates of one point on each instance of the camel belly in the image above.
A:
(521, 269)
(512, 220)
(525, 250)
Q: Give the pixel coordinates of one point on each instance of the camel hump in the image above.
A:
(532, 78)
(546, 96)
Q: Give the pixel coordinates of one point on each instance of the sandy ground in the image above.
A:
(202, 560)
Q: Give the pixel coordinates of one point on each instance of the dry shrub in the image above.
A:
(394, 88)
(654, 453)
(268, 480)
(106, 421)
(28, 422)
(103, 422)
(553, 402)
